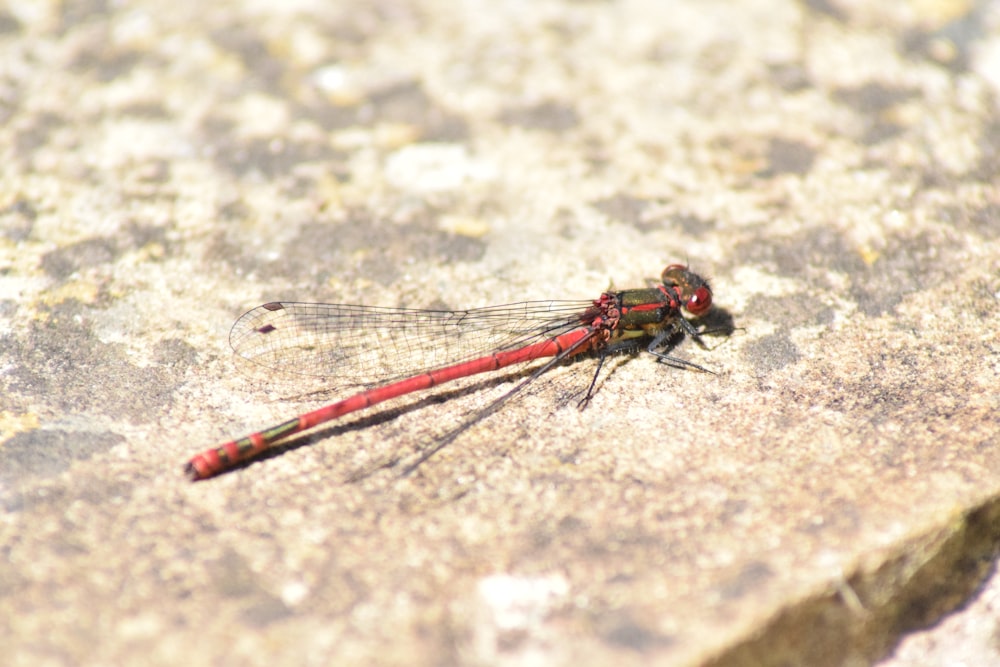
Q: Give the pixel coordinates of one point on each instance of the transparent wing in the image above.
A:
(365, 345)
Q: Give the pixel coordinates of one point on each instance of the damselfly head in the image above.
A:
(694, 290)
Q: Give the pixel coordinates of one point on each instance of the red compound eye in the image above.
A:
(700, 301)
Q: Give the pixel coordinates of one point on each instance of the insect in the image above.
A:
(398, 351)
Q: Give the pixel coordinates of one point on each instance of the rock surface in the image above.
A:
(832, 167)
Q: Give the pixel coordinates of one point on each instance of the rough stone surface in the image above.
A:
(832, 166)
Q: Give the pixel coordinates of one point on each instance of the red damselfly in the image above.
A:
(397, 351)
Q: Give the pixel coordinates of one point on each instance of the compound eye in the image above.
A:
(700, 302)
(672, 274)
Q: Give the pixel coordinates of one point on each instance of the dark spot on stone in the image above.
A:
(265, 611)
(117, 65)
(326, 248)
(826, 8)
(265, 70)
(788, 157)
(231, 576)
(693, 225)
(174, 352)
(330, 117)
(565, 223)
(58, 357)
(17, 220)
(154, 171)
(407, 102)
(100, 59)
(984, 221)
(732, 508)
(771, 353)
(843, 515)
(149, 109)
(879, 131)
(873, 97)
(622, 207)
(547, 116)
(804, 254)
(872, 100)
(13, 582)
(625, 632)
(8, 23)
(28, 139)
(46, 452)
(569, 525)
(61, 263)
(269, 157)
(137, 235)
(644, 216)
(234, 210)
(362, 244)
(905, 266)
(81, 11)
(750, 578)
(791, 311)
(92, 485)
(215, 127)
(510, 640)
(791, 77)
(989, 151)
(950, 45)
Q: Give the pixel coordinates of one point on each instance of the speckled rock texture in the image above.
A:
(833, 167)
